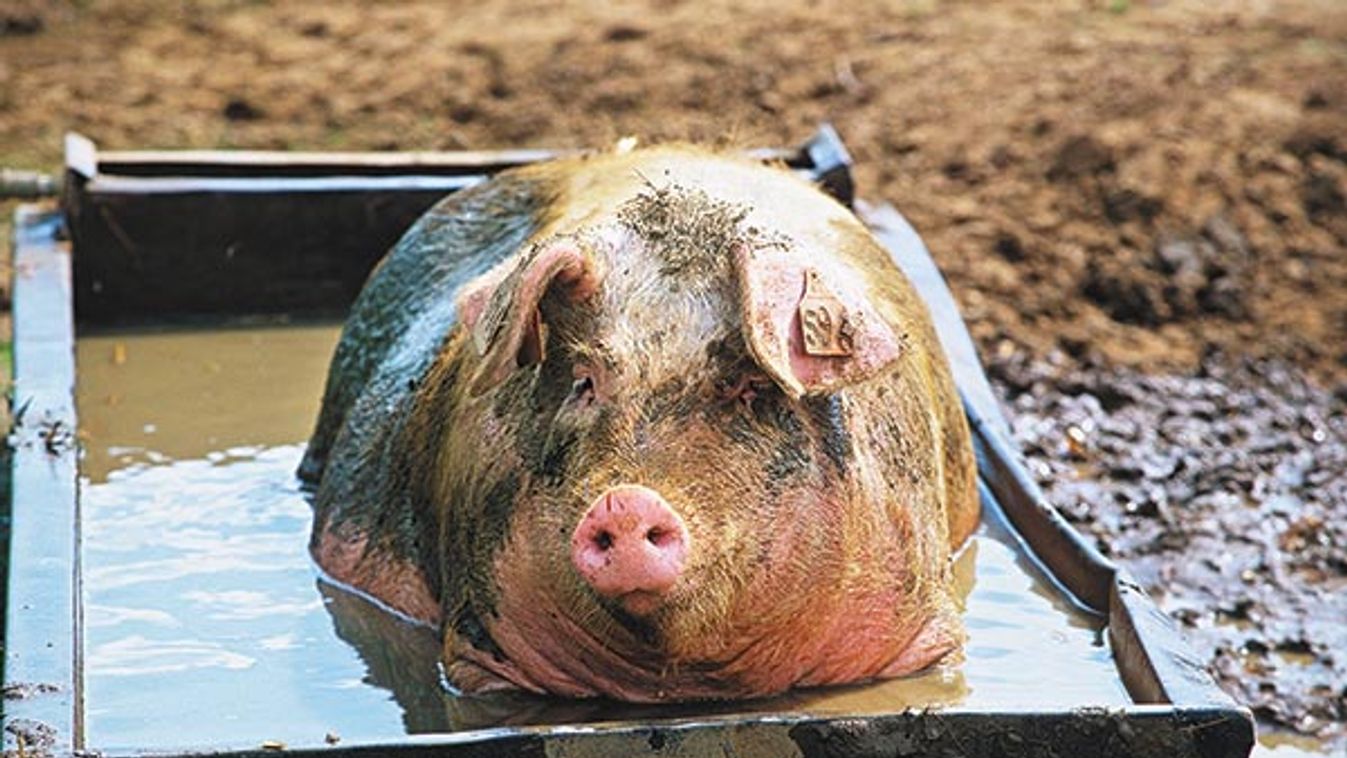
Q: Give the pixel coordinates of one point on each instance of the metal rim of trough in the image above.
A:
(1179, 710)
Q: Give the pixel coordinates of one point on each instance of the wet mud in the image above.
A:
(1224, 491)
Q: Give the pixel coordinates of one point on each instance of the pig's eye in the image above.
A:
(582, 392)
(746, 389)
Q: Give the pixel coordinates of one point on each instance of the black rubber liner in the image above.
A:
(167, 234)
(160, 236)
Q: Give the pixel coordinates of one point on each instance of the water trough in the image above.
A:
(144, 239)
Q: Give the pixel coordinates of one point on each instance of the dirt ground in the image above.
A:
(1154, 188)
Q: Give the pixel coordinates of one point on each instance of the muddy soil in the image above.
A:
(1151, 193)
(1223, 491)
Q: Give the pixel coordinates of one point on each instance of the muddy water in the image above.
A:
(208, 626)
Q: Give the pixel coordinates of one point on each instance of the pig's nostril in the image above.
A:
(657, 536)
(603, 540)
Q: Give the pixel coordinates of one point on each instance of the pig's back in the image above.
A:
(406, 310)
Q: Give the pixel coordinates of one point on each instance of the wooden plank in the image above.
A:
(472, 160)
(105, 184)
(279, 163)
(1157, 664)
(42, 649)
(244, 163)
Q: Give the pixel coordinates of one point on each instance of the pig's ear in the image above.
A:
(810, 326)
(500, 309)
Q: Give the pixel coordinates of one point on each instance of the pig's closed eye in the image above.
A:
(747, 389)
(582, 392)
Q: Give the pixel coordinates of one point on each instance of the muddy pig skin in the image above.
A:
(661, 425)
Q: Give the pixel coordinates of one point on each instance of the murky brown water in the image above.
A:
(208, 626)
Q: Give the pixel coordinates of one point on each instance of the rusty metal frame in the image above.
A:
(115, 198)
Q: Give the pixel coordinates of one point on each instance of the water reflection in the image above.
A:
(404, 659)
(399, 656)
(150, 396)
(199, 588)
(1015, 646)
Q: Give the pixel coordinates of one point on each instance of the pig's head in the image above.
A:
(674, 467)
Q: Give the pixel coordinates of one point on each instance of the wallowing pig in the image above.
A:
(661, 425)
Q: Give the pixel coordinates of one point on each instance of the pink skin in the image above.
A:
(773, 287)
(558, 262)
(631, 546)
(394, 583)
(804, 617)
(844, 636)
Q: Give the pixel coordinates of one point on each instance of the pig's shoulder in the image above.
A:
(406, 307)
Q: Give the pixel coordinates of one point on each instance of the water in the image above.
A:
(207, 625)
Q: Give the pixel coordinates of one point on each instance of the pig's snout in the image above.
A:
(631, 546)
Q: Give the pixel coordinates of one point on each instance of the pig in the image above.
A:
(662, 425)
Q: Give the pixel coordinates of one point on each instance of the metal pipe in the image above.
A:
(28, 185)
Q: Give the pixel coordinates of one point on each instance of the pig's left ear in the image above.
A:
(810, 326)
(500, 309)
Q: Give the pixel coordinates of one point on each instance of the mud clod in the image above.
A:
(27, 18)
(1122, 296)
(1122, 205)
(688, 229)
(36, 737)
(1322, 197)
(625, 33)
(1189, 275)
(25, 690)
(1010, 247)
(1079, 157)
(239, 109)
(1308, 142)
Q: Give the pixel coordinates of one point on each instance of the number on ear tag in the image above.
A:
(824, 320)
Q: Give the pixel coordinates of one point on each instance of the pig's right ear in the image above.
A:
(500, 308)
